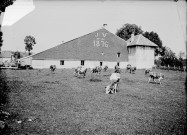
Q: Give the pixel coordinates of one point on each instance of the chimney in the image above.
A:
(104, 25)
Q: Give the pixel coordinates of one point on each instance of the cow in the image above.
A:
(97, 69)
(52, 68)
(81, 70)
(77, 70)
(154, 75)
(130, 69)
(114, 82)
(147, 71)
(117, 69)
(105, 68)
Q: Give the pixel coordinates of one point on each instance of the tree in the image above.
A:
(30, 42)
(127, 29)
(1, 39)
(3, 5)
(17, 55)
(168, 58)
(152, 36)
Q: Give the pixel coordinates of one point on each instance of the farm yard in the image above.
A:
(41, 102)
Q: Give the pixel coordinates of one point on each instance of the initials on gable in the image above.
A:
(100, 40)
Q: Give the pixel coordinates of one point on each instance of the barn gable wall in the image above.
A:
(100, 45)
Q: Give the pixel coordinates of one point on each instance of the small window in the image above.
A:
(82, 62)
(118, 54)
(101, 63)
(61, 62)
(118, 63)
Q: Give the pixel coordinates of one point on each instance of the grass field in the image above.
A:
(59, 103)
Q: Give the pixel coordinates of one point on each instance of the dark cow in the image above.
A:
(154, 76)
(117, 69)
(105, 68)
(130, 69)
(147, 71)
(97, 69)
(53, 67)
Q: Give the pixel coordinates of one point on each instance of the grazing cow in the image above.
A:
(53, 67)
(105, 68)
(154, 75)
(80, 71)
(114, 82)
(97, 69)
(117, 69)
(130, 69)
(77, 70)
(147, 71)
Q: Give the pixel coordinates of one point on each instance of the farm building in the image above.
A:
(98, 48)
(6, 56)
(141, 51)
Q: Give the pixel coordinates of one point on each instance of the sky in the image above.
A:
(53, 22)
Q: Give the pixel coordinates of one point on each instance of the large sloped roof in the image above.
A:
(99, 45)
(141, 40)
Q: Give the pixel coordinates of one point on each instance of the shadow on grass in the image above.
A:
(107, 75)
(55, 82)
(95, 80)
(154, 82)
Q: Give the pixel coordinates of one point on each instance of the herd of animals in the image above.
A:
(115, 77)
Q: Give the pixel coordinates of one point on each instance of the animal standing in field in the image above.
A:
(114, 82)
(53, 67)
(81, 70)
(97, 70)
(105, 68)
(117, 69)
(147, 71)
(77, 70)
(130, 69)
(154, 76)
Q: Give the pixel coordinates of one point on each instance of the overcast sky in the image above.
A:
(52, 22)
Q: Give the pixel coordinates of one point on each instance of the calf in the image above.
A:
(154, 75)
(114, 82)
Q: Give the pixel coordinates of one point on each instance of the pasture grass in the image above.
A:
(59, 103)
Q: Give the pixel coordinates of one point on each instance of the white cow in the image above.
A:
(114, 81)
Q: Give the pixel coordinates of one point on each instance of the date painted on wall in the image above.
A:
(100, 40)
